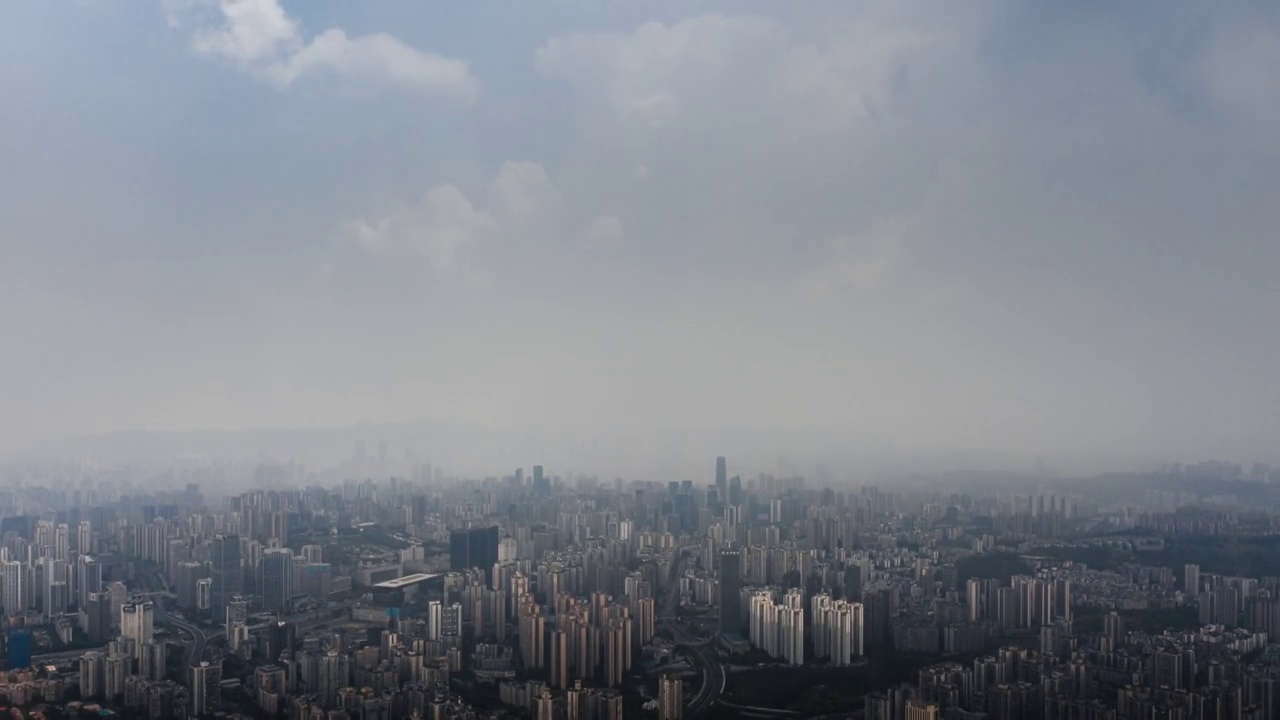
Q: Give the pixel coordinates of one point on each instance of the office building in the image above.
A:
(474, 548)
(88, 579)
(277, 579)
(97, 617)
(226, 573)
(730, 592)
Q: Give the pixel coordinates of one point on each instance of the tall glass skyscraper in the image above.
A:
(228, 579)
(730, 592)
(277, 567)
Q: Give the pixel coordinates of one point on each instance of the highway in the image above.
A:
(64, 657)
(199, 638)
(701, 654)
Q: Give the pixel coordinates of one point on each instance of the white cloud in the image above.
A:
(847, 82)
(440, 228)
(604, 231)
(520, 189)
(649, 76)
(446, 228)
(862, 263)
(660, 74)
(260, 38)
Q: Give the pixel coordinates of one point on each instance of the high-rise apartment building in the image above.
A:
(205, 680)
(92, 674)
(670, 697)
(84, 538)
(15, 590)
(137, 622)
(778, 627)
(88, 579)
(921, 710)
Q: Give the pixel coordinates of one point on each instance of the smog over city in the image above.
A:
(887, 359)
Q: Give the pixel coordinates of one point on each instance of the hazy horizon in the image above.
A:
(881, 233)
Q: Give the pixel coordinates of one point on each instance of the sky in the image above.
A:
(1047, 229)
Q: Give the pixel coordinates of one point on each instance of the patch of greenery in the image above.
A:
(1001, 565)
(1242, 555)
(1154, 620)
(812, 691)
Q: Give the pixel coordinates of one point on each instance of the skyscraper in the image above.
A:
(97, 612)
(722, 478)
(730, 592)
(62, 542)
(1191, 579)
(921, 710)
(205, 680)
(84, 538)
(15, 591)
(277, 576)
(92, 671)
(224, 566)
(476, 547)
(137, 622)
(188, 572)
(88, 579)
(670, 697)
(559, 659)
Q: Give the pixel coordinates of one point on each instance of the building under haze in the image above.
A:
(277, 579)
(730, 593)
(474, 548)
(226, 573)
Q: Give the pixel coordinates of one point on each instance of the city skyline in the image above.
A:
(565, 360)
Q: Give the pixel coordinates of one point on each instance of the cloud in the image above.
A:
(260, 38)
(862, 263)
(660, 75)
(446, 228)
(520, 189)
(440, 227)
(1238, 69)
(849, 81)
(603, 231)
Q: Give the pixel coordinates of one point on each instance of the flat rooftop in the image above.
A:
(408, 580)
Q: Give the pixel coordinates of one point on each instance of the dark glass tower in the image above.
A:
(459, 550)
(722, 477)
(477, 547)
(224, 569)
(483, 548)
(277, 564)
(730, 592)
